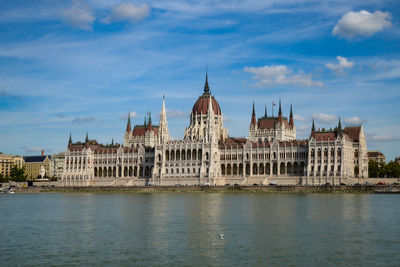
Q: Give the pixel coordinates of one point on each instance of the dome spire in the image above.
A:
(206, 87)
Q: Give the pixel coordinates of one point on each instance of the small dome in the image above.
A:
(201, 105)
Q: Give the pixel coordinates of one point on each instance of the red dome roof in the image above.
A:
(201, 105)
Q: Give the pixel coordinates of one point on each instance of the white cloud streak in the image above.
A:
(276, 75)
(361, 23)
(353, 121)
(78, 16)
(127, 12)
(343, 64)
(298, 118)
(177, 114)
(382, 138)
(325, 118)
(125, 116)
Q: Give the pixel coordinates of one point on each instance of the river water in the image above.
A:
(177, 229)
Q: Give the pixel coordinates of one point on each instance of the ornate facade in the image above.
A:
(208, 155)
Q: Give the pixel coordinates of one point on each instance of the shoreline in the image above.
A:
(370, 189)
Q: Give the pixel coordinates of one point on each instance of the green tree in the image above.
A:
(18, 174)
(3, 178)
(393, 169)
(374, 169)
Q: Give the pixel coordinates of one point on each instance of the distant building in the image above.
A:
(397, 160)
(7, 162)
(34, 164)
(377, 156)
(208, 155)
(57, 165)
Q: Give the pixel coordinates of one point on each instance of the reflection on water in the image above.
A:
(181, 229)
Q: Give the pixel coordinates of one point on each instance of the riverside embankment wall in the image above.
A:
(244, 189)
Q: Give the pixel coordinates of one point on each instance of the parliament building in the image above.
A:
(208, 155)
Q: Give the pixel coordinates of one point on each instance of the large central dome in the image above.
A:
(201, 105)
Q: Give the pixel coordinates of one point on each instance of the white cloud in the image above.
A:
(83, 119)
(325, 118)
(353, 121)
(281, 75)
(78, 16)
(299, 118)
(177, 114)
(382, 138)
(127, 12)
(343, 64)
(125, 116)
(362, 23)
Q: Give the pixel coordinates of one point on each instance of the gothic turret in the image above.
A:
(265, 113)
(128, 124)
(280, 112)
(291, 122)
(339, 128)
(149, 125)
(69, 141)
(253, 116)
(163, 134)
(313, 128)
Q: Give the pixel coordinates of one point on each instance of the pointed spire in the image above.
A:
(280, 108)
(291, 122)
(280, 112)
(253, 115)
(149, 117)
(163, 105)
(112, 141)
(145, 120)
(340, 128)
(87, 138)
(128, 124)
(149, 125)
(70, 141)
(265, 113)
(163, 134)
(313, 128)
(206, 87)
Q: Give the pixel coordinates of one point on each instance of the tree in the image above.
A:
(393, 170)
(3, 178)
(18, 174)
(373, 169)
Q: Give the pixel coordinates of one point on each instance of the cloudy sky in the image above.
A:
(83, 65)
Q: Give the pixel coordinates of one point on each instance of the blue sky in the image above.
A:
(77, 66)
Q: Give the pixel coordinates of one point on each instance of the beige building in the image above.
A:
(37, 167)
(377, 156)
(7, 162)
(208, 155)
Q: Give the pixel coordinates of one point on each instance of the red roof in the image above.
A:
(269, 123)
(139, 130)
(201, 105)
(325, 136)
(353, 132)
